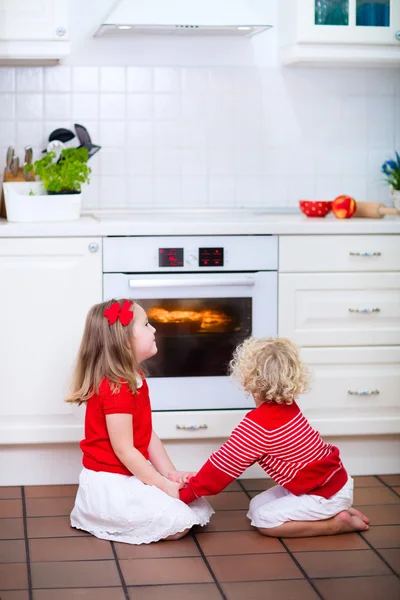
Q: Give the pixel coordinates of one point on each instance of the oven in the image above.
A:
(204, 295)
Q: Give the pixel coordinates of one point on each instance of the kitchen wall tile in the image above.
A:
(112, 79)
(354, 186)
(29, 79)
(222, 191)
(112, 133)
(140, 133)
(112, 161)
(112, 106)
(195, 80)
(57, 79)
(380, 119)
(140, 106)
(195, 106)
(167, 134)
(85, 106)
(91, 194)
(29, 106)
(7, 79)
(141, 191)
(140, 79)
(194, 190)
(275, 191)
(193, 134)
(140, 161)
(7, 134)
(30, 133)
(113, 191)
(85, 79)
(221, 162)
(7, 107)
(167, 191)
(222, 81)
(167, 79)
(250, 191)
(194, 161)
(167, 161)
(57, 106)
(299, 187)
(167, 106)
(248, 162)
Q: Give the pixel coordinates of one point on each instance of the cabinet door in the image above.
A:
(340, 309)
(33, 20)
(348, 21)
(354, 391)
(47, 287)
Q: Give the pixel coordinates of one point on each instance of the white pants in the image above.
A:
(277, 506)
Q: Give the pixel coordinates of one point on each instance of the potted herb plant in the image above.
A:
(391, 170)
(56, 196)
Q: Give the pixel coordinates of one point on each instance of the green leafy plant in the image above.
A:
(65, 175)
(391, 170)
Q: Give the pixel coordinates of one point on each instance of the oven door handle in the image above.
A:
(200, 282)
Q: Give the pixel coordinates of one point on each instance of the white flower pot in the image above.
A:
(39, 207)
(396, 198)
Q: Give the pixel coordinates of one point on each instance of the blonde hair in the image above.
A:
(105, 351)
(270, 369)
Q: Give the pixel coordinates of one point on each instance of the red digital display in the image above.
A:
(170, 257)
(211, 257)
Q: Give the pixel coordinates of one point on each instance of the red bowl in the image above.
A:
(317, 208)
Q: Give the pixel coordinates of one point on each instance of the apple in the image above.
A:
(344, 207)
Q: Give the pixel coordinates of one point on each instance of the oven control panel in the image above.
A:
(177, 254)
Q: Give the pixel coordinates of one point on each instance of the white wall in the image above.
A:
(206, 122)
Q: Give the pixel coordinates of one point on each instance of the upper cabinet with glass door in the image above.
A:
(340, 31)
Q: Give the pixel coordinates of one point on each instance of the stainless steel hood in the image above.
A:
(186, 17)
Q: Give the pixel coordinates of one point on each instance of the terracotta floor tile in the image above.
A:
(65, 549)
(14, 595)
(165, 570)
(110, 593)
(383, 515)
(365, 588)
(351, 563)
(347, 541)
(392, 555)
(186, 591)
(80, 574)
(294, 589)
(10, 492)
(234, 486)
(49, 507)
(10, 509)
(397, 490)
(39, 527)
(183, 547)
(385, 536)
(11, 529)
(366, 481)
(50, 491)
(257, 567)
(228, 520)
(229, 501)
(257, 484)
(13, 576)
(391, 479)
(12, 551)
(375, 495)
(237, 542)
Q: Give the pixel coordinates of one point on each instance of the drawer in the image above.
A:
(354, 390)
(195, 425)
(321, 253)
(346, 309)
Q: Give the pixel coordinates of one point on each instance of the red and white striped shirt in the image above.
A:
(284, 444)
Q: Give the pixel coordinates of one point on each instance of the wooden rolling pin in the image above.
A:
(374, 210)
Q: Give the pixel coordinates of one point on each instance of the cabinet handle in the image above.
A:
(397, 35)
(364, 310)
(61, 31)
(363, 392)
(192, 427)
(93, 247)
(367, 254)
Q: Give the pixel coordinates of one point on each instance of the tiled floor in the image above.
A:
(42, 558)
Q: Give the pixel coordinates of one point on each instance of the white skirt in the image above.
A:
(123, 509)
(277, 506)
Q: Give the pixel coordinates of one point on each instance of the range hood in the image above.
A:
(185, 17)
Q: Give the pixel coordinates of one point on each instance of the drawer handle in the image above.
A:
(363, 392)
(366, 254)
(364, 310)
(192, 427)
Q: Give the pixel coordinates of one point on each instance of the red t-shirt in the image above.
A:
(98, 454)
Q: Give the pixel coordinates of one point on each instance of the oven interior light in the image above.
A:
(124, 26)
(243, 28)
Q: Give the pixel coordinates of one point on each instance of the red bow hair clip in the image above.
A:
(123, 313)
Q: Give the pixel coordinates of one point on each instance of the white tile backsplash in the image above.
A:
(208, 135)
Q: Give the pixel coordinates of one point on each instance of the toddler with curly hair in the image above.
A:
(314, 492)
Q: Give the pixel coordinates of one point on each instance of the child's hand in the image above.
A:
(180, 476)
(172, 488)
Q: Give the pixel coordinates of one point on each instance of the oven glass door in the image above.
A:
(199, 320)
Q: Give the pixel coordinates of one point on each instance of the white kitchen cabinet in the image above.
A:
(340, 31)
(33, 31)
(47, 287)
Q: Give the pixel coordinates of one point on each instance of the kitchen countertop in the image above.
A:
(199, 222)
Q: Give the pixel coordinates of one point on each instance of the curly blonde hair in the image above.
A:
(270, 369)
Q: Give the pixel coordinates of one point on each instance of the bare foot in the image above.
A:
(346, 523)
(357, 513)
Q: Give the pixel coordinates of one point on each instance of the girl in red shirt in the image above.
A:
(124, 491)
(314, 494)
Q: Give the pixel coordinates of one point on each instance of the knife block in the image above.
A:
(9, 176)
